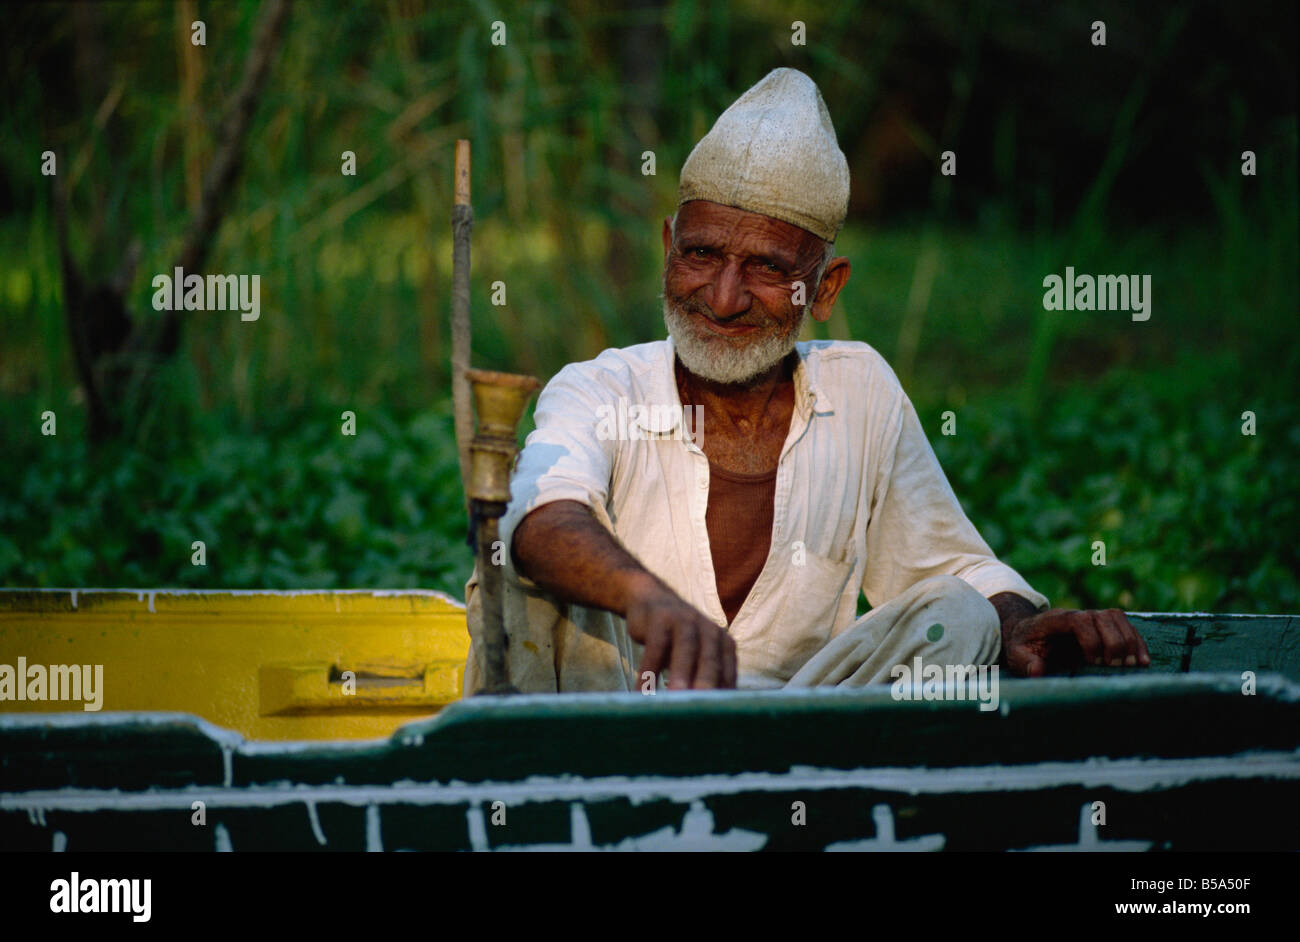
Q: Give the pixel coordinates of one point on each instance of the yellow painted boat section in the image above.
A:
(271, 665)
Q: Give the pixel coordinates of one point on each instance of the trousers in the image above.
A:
(942, 620)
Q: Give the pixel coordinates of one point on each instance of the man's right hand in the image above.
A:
(697, 653)
(562, 548)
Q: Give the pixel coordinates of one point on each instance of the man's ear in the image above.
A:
(837, 273)
(668, 236)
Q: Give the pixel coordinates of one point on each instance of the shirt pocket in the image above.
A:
(811, 599)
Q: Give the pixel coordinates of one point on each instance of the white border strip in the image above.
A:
(1130, 775)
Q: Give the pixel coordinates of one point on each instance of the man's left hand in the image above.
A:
(1060, 639)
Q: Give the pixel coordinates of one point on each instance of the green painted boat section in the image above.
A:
(1181, 762)
(505, 739)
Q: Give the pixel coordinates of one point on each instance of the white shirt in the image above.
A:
(861, 503)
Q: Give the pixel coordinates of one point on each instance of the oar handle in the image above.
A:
(462, 173)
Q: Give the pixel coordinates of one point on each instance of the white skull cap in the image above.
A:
(774, 152)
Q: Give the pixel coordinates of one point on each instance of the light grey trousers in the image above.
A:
(942, 620)
(573, 649)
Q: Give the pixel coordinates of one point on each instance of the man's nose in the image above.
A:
(730, 296)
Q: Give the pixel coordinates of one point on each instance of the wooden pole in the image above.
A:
(462, 223)
(487, 453)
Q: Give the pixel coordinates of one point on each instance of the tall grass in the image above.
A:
(356, 272)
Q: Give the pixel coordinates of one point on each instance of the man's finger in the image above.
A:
(654, 656)
(1112, 638)
(1089, 638)
(686, 646)
(1034, 666)
(1127, 653)
(708, 663)
(1135, 649)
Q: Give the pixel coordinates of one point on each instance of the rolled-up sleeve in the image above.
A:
(917, 528)
(564, 457)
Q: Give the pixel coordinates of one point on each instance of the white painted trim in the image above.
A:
(80, 593)
(1130, 775)
(1184, 616)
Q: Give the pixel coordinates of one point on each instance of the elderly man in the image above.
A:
(730, 550)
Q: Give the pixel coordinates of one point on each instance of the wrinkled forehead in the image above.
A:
(742, 232)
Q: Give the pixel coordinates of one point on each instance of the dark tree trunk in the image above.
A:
(112, 351)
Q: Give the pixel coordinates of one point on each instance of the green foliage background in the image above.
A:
(1071, 426)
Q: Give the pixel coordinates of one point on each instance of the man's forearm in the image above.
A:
(565, 550)
(1011, 608)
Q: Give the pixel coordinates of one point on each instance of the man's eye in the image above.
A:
(699, 252)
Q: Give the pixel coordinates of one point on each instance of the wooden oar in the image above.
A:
(462, 223)
(487, 454)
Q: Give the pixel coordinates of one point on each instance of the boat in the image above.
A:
(226, 724)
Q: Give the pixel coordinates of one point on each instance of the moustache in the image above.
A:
(696, 306)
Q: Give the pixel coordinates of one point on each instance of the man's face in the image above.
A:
(728, 289)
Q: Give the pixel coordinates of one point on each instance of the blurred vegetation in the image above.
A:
(1072, 426)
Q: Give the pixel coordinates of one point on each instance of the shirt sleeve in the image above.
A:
(564, 457)
(917, 528)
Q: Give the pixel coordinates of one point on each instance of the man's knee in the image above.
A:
(941, 620)
(962, 617)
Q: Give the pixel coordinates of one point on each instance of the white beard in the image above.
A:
(733, 360)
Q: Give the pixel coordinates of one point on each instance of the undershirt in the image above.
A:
(739, 521)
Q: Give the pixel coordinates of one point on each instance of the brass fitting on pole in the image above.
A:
(499, 402)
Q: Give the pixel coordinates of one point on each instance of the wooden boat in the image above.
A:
(226, 723)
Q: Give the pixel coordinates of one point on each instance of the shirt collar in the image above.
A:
(808, 392)
(809, 396)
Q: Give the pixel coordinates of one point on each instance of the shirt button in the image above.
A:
(704, 483)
